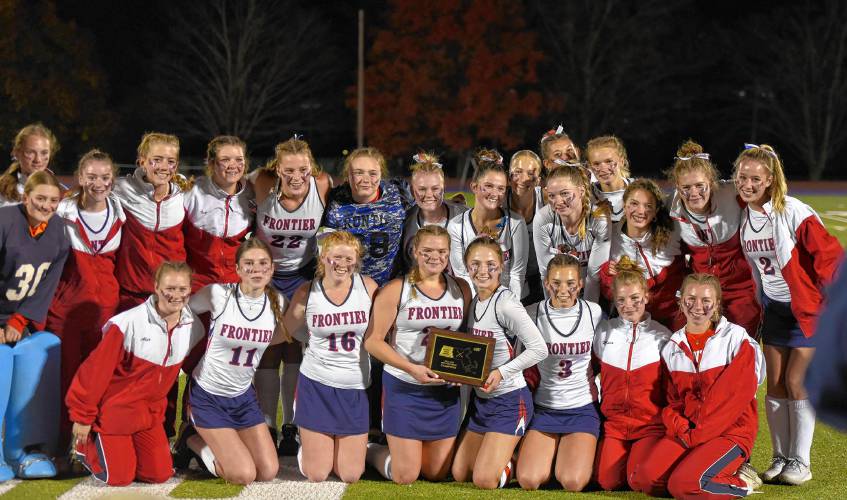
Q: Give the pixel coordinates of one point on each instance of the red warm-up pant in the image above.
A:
(616, 459)
(706, 471)
(118, 460)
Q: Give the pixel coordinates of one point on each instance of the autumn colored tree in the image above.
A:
(450, 74)
(48, 74)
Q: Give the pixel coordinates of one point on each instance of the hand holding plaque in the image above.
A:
(459, 357)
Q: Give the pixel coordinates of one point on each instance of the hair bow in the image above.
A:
(418, 158)
(702, 156)
(747, 145)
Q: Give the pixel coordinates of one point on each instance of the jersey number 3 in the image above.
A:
(29, 280)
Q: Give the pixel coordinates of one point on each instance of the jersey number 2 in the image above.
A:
(29, 280)
(767, 267)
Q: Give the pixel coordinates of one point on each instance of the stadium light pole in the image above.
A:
(360, 94)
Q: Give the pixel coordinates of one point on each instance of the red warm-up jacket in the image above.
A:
(122, 387)
(717, 396)
(632, 391)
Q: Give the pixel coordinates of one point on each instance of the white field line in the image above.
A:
(836, 215)
(92, 488)
(8, 485)
(291, 484)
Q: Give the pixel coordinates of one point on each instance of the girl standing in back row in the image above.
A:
(291, 195)
(793, 258)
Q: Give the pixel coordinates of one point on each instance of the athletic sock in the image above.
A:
(802, 424)
(506, 475)
(267, 390)
(378, 456)
(778, 420)
(203, 451)
(290, 373)
(300, 461)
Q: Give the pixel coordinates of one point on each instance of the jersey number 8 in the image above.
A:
(29, 280)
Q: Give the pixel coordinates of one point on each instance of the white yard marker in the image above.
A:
(8, 485)
(291, 484)
(92, 488)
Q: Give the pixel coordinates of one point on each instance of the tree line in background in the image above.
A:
(451, 76)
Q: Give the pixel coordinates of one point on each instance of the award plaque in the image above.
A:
(459, 357)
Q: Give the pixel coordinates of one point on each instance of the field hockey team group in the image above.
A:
(572, 267)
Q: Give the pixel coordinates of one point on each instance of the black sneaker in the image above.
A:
(182, 454)
(288, 445)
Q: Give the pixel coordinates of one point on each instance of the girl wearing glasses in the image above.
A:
(217, 211)
(231, 438)
(707, 214)
(501, 409)
(793, 258)
(489, 185)
(291, 194)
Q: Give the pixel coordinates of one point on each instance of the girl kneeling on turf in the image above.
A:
(502, 408)
(120, 391)
(232, 439)
(710, 421)
(331, 313)
(420, 414)
(564, 430)
(632, 395)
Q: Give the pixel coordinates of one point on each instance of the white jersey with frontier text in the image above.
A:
(514, 241)
(550, 238)
(567, 380)
(334, 354)
(291, 235)
(614, 197)
(759, 246)
(416, 314)
(240, 330)
(502, 317)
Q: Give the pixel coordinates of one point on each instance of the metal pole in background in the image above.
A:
(360, 98)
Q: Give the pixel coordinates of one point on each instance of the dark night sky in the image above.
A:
(127, 34)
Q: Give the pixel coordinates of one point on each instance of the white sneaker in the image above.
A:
(795, 472)
(750, 477)
(777, 464)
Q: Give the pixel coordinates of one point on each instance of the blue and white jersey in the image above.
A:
(240, 330)
(567, 380)
(378, 224)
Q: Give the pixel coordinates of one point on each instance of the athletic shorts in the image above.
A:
(422, 412)
(328, 410)
(780, 327)
(582, 419)
(288, 282)
(209, 411)
(507, 413)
